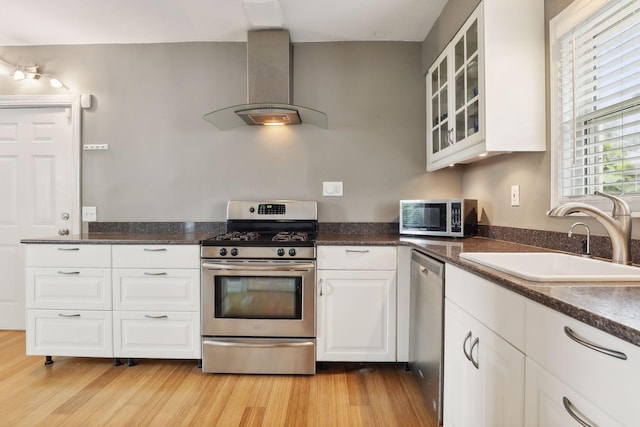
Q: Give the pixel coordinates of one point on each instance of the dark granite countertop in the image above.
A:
(612, 307)
(123, 239)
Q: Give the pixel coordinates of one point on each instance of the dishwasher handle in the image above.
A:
(428, 264)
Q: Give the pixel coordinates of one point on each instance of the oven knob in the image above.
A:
(292, 252)
(280, 252)
(252, 209)
(223, 251)
(234, 252)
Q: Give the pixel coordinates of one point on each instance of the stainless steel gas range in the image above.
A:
(258, 290)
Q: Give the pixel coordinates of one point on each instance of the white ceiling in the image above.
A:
(49, 22)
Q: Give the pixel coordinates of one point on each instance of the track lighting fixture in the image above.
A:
(29, 72)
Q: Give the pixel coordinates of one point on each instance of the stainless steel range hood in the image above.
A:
(269, 87)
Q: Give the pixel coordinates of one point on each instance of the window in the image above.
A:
(595, 102)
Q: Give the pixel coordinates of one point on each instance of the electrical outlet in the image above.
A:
(332, 188)
(91, 147)
(89, 213)
(515, 195)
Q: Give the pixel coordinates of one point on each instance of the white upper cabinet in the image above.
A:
(486, 91)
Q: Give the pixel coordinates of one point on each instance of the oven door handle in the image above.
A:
(256, 345)
(290, 267)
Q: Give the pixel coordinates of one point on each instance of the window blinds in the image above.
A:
(599, 84)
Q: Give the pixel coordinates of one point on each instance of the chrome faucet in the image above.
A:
(585, 247)
(618, 225)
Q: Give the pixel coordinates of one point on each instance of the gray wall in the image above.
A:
(165, 163)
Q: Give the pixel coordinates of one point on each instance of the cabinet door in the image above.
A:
(439, 127)
(156, 289)
(484, 374)
(356, 316)
(168, 335)
(68, 288)
(69, 333)
(551, 403)
(468, 128)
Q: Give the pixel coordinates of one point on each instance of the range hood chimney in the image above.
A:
(269, 87)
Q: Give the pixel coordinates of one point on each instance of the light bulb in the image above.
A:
(55, 83)
(18, 75)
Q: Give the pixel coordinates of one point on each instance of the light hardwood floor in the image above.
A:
(92, 392)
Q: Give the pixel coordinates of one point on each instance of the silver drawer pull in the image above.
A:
(146, 273)
(155, 250)
(572, 411)
(162, 316)
(464, 346)
(69, 272)
(357, 251)
(593, 346)
(68, 315)
(68, 249)
(475, 361)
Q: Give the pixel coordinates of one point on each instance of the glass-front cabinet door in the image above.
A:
(455, 97)
(438, 113)
(466, 83)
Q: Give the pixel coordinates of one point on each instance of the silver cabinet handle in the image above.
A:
(69, 272)
(162, 316)
(68, 315)
(256, 345)
(464, 346)
(357, 251)
(449, 136)
(68, 249)
(321, 286)
(475, 362)
(146, 273)
(155, 249)
(572, 411)
(593, 346)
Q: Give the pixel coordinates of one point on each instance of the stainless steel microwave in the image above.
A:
(447, 217)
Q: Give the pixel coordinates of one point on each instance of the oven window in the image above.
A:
(258, 297)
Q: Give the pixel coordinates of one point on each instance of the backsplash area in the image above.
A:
(600, 245)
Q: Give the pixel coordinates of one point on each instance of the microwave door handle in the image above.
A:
(289, 267)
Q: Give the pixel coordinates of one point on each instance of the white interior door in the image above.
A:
(37, 193)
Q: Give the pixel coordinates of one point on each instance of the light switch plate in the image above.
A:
(515, 195)
(332, 188)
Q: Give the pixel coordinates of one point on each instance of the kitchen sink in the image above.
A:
(554, 267)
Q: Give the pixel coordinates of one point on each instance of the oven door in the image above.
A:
(269, 298)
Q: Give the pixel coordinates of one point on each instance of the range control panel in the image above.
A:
(271, 209)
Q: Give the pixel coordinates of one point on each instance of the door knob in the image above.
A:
(63, 232)
(65, 216)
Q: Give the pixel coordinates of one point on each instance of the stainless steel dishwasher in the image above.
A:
(426, 328)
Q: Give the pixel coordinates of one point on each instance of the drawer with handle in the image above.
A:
(357, 257)
(601, 367)
(67, 255)
(156, 256)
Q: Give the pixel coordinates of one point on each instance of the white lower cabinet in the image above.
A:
(356, 303)
(166, 335)
(130, 301)
(484, 373)
(156, 301)
(69, 333)
(68, 300)
(552, 403)
(575, 371)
